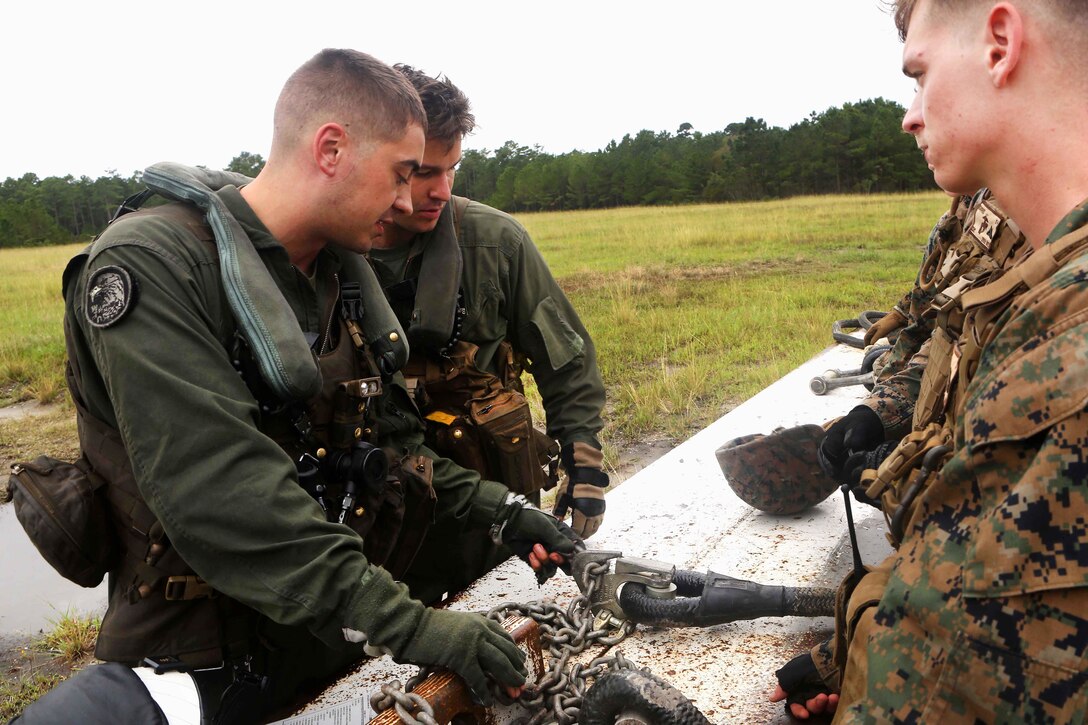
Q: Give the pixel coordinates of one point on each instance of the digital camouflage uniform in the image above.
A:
(951, 256)
(896, 384)
(287, 581)
(973, 241)
(510, 301)
(984, 616)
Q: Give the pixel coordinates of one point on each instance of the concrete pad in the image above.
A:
(679, 510)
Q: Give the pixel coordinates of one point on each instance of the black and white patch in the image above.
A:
(111, 293)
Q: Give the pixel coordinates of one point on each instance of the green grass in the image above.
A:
(31, 672)
(72, 637)
(31, 314)
(692, 308)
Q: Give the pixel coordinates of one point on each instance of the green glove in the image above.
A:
(474, 647)
(521, 526)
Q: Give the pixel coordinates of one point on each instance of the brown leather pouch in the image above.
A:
(509, 441)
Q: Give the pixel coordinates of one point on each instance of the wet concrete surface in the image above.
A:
(33, 594)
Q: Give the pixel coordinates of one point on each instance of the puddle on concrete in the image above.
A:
(32, 594)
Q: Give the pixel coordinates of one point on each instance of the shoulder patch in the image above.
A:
(111, 294)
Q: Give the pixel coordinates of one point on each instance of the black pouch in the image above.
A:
(63, 510)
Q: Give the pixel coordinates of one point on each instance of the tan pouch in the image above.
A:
(509, 441)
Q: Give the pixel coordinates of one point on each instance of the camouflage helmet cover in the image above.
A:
(777, 473)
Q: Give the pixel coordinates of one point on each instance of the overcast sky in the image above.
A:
(102, 85)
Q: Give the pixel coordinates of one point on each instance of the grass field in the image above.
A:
(692, 308)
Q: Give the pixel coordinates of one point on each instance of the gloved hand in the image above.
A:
(861, 461)
(861, 430)
(383, 615)
(471, 645)
(540, 540)
(805, 693)
(583, 492)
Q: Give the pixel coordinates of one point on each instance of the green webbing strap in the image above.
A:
(381, 329)
(263, 315)
(435, 308)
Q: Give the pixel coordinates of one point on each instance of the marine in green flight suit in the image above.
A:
(480, 305)
(217, 341)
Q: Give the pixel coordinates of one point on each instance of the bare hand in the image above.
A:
(538, 556)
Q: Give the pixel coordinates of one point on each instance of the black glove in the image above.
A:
(801, 681)
(521, 526)
(583, 492)
(861, 461)
(860, 431)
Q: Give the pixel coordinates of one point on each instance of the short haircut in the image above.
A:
(1071, 14)
(348, 87)
(449, 114)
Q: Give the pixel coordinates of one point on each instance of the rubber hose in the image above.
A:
(684, 609)
(637, 694)
(870, 359)
(839, 335)
(810, 601)
(868, 317)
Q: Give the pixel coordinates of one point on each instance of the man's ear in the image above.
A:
(1004, 42)
(329, 145)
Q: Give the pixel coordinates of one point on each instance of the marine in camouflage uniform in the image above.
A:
(972, 243)
(473, 333)
(984, 614)
(988, 581)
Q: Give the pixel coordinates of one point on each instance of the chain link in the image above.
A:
(557, 696)
(411, 708)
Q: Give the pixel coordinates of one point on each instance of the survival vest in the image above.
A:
(159, 606)
(475, 418)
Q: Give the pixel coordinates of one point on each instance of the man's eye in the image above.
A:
(402, 180)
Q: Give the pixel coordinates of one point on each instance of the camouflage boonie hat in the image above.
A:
(777, 473)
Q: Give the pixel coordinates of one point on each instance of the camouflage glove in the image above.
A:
(391, 622)
(584, 488)
(861, 430)
(540, 540)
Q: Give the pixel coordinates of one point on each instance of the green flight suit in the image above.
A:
(226, 494)
(509, 295)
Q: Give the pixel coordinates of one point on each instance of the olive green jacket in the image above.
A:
(510, 294)
(225, 493)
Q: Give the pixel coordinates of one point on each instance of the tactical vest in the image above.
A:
(158, 606)
(966, 314)
(974, 245)
(477, 419)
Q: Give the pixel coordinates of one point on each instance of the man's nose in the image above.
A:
(443, 188)
(403, 202)
(912, 119)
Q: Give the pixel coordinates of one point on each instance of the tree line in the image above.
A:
(858, 148)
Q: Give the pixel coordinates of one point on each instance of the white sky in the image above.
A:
(91, 86)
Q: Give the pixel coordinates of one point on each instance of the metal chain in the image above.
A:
(557, 696)
(411, 708)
